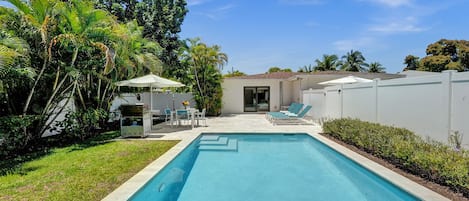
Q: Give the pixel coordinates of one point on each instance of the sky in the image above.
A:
(259, 34)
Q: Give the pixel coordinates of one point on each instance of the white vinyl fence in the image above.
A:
(432, 106)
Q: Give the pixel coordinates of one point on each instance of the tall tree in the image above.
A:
(234, 73)
(354, 61)
(306, 69)
(40, 15)
(328, 63)
(412, 62)
(124, 10)
(162, 20)
(205, 63)
(446, 55)
(376, 67)
(278, 69)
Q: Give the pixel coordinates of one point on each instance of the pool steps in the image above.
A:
(216, 143)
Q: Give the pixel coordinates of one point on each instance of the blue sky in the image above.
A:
(258, 34)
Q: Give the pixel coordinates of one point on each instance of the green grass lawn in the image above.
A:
(80, 172)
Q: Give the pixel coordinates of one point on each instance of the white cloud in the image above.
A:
(403, 25)
(355, 44)
(392, 3)
(394, 27)
(219, 12)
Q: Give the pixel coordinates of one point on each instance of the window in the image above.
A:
(256, 99)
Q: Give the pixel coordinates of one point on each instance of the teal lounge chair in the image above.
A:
(294, 108)
(281, 118)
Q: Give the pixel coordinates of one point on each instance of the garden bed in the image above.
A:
(429, 163)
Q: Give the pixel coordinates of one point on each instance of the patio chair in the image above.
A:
(281, 118)
(201, 116)
(167, 113)
(182, 115)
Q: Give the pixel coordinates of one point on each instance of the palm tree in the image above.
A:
(137, 55)
(376, 67)
(234, 73)
(354, 61)
(306, 69)
(328, 63)
(40, 14)
(206, 63)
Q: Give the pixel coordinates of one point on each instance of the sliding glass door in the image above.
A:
(256, 99)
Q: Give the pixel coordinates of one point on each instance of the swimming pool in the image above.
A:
(265, 167)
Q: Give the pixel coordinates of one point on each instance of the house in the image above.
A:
(273, 91)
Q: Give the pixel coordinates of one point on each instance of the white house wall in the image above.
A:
(233, 93)
(287, 93)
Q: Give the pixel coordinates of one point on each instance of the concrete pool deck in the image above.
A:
(252, 123)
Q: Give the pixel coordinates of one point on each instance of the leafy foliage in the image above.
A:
(306, 69)
(376, 67)
(328, 63)
(61, 52)
(162, 20)
(234, 73)
(83, 124)
(354, 61)
(412, 62)
(278, 69)
(14, 134)
(428, 159)
(442, 55)
(205, 64)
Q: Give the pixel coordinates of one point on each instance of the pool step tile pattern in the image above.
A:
(209, 138)
(220, 141)
(231, 145)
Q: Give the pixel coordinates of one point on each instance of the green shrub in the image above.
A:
(429, 159)
(83, 124)
(15, 133)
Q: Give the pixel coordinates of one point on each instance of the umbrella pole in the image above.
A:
(151, 98)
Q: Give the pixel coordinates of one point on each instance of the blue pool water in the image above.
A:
(263, 167)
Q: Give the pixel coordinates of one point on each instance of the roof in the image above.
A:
(275, 75)
(323, 74)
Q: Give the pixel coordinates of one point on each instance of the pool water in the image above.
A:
(265, 168)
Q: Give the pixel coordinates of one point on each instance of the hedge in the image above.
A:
(429, 159)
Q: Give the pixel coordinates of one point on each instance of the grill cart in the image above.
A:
(135, 121)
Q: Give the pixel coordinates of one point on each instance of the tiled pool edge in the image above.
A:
(402, 182)
(126, 190)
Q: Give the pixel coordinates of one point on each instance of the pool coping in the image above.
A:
(131, 186)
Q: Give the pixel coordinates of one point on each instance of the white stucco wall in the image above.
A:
(287, 93)
(233, 93)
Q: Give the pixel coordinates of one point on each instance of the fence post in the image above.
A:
(448, 77)
(375, 85)
(341, 94)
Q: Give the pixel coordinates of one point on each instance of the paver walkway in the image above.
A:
(227, 123)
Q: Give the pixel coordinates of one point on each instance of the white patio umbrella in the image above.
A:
(151, 81)
(346, 80)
